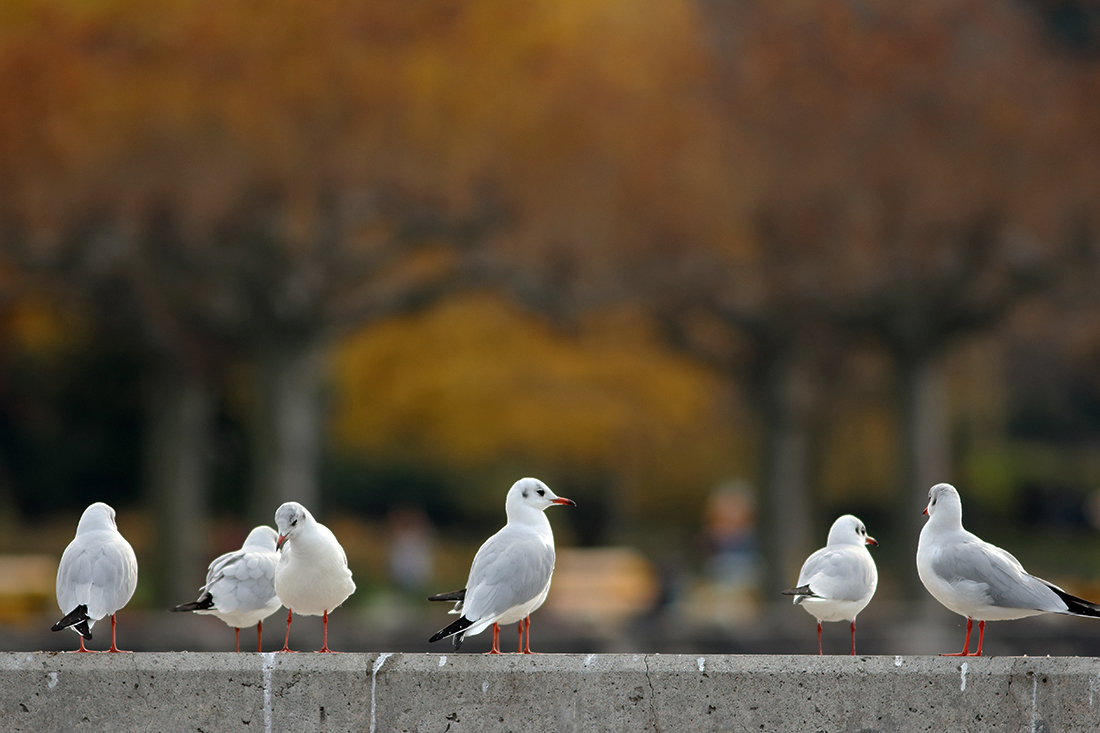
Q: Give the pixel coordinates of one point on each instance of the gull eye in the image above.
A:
(542, 492)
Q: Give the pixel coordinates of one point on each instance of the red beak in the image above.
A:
(563, 501)
(925, 512)
(872, 541)
(279, 542)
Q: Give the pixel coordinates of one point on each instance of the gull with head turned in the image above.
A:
(510, 575)
(312, 577)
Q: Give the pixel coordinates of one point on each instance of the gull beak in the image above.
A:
(872, 541)
(925, 512)
(279, 542)
(563, 501)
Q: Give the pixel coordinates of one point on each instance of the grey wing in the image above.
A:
(101, 573)
(839, 573)
(509, 570)
(74, 575)
(246, 582)
(1006, 583)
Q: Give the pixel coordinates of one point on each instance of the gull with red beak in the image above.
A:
(837, 581)
(978, 580)
(510, 575)
(312, 577)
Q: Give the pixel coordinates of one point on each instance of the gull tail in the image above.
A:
(77, 618)
(802, 591)
(203, 604)
(454, 595)
(454, 630)
(1076, 606)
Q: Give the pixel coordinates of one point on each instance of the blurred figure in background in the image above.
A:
(410, 548)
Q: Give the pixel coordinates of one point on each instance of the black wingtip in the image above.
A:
(203, 604)
(77, 617)
(1077, 606)
(454, 595)
(458, 626)
(802, 590)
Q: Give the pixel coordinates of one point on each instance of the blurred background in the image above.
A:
(718, 270)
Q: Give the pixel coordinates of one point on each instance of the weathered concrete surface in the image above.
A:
(44, 692)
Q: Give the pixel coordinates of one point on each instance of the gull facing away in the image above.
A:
(979, 580)
(837, 581)
(510, 575)
(97, 575)
(312, 577)
(240, 585)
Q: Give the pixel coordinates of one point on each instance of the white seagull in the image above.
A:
(97, 575)
(240, 585)
(978, 580)
(312, 577)
(510, 575)
(837, 581)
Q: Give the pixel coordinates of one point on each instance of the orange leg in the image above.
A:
(237, 634)
(527, 628)
(496, 640)
(966, 645)
(286, 644)
(981, 637)
(113, 648)
(260, 636)
(520, 627)
(324, 645)
(83, 649)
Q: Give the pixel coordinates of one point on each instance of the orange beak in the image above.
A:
(925, 512)
(563, 501)
(279, 542)
(872, 541)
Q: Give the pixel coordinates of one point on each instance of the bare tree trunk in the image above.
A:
(286, 440)
(925, 451)
(785, 524)
(179, 414)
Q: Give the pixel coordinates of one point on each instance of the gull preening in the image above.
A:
(312, 577)
(240, 585)
(510, 575)
(978, 580)
(837, 581)
(97, 575)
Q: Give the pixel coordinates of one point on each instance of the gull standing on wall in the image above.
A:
(97, 575)
(978, 580)
(312, 577)
(837, 581)
(240, 585)
(510, 575)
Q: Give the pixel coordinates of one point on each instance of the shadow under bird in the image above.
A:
(837, 581)
(511, 572)
(97, 574)
(312, 577)
(978, 580)
(240, 585)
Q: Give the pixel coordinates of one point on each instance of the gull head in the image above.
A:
(848, 530)
(262, 538)
(290, 518)
(531, 495)
(97, 516)
(944, 501)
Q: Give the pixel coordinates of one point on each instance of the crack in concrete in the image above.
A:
(652, 695)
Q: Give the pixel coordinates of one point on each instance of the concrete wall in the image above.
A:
(454, 693)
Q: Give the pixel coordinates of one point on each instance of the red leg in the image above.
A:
(853, 637)
(966, 645)
(82, 649)
(520, 627)
(527, 628)
(819, 638)
(286, 644)
(237, 635)
(496, 640)
(981, 637)
(260, 636)
(113, 648)
(324, 646)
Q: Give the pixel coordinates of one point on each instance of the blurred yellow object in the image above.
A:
(26, 586)
(602, 585)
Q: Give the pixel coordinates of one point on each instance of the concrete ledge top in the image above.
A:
(47, 691)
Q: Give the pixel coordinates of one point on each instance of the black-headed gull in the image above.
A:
(510, 575)
(240, 585)
(837, 581)
(978, 580)
(312, 577)
(97, 575)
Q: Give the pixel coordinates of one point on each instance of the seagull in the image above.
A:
(837, 581)
(240, 585)
(510, 575)
(978, 580)
(312, 577)
(97, 575)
